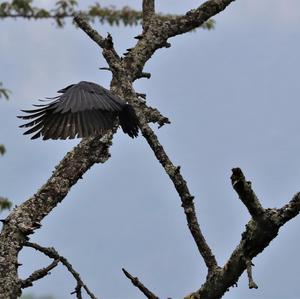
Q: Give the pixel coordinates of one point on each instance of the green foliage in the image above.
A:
(68, 8)
(4, 204)
(4, 92)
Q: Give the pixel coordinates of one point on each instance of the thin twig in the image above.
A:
(136, 282)
(52, 253)
(38, 274)
(251, 284)
(246, 194)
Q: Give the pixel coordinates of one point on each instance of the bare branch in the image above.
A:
(290, 210)
(38, 274)
(26, 218)
(153, 115)
(180, 185)
(195, 17)
(106, 44)
(125, 88)
(257, 236)
(162, 28)
(52, 253)
(93, 34)
(148, 12)
(136, 282)
(251, 284)
(246, 194)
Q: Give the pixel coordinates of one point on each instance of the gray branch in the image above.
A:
(52, 253)
(27, 217)
(125, 88)
(136, 282)
(290, 210)
(148, 12)
(162, 28)
(38, 274)
(251, 282)
(246, 194)
(195, 17)
(257, 236)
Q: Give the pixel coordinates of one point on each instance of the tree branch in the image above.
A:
(26, 218)
(148, 12)
(106, 44)
(251, 283)
(257, 236)
(182, 189)
(195, 17)
(52, 253)
(162, 28)
(290, 210)
(125, 89)
(39, 274)
(110, 14)
(246, 193)
(135, 281)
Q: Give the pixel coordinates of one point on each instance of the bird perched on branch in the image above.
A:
(82, 110)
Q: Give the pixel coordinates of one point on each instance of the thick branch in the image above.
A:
(163, 28)
(52, 253)
(135, 281)
(246, 194)
(124, 87)
(38, 274)
(290, 210)
(257, 236)
(195, 17)
(24, 219)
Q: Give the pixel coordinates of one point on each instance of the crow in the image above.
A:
(82, 110)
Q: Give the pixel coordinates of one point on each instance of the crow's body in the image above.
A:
(82, 110)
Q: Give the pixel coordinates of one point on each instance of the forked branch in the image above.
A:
(173, 172)
(52, 253)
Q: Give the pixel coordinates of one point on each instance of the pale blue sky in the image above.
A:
(232, 95)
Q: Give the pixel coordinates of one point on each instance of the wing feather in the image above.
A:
(81, 110)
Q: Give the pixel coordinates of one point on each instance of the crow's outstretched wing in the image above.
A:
(82, 110)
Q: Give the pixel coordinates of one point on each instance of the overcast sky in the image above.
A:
(232, 95)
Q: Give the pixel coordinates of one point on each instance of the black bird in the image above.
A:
(82, 110)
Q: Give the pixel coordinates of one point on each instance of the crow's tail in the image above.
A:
(129, 121)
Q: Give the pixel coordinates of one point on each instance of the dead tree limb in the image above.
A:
(136, 282)
(38, 274)
(53, 254)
